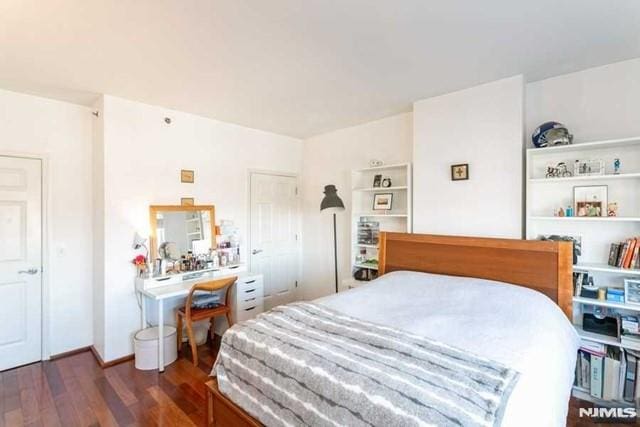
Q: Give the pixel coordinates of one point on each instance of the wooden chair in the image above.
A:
(191, 315)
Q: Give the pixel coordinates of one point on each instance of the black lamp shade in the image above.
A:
(331, 199)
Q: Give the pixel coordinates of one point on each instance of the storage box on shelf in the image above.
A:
(367, 222)
(545, 195)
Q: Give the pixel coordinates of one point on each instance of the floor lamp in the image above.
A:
(333, 204)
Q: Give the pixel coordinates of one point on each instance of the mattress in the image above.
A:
(513, 325)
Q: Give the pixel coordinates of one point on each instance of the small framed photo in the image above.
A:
(377, 181)
(632, 291)
(460, 172)
(590, 200)
(187, 176)
(382, 201)
(187, 201)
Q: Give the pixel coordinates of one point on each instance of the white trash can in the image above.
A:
(145, 344)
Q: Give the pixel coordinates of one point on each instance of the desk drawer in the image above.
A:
(250, 285)
(249, 309)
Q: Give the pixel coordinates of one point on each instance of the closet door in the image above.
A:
(274, 249)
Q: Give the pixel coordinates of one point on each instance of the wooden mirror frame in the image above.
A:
(153, 211)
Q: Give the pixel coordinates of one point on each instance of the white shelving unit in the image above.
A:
(544, 196)
(396, 219)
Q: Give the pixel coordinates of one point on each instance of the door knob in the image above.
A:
(29, 271)
(256, 251)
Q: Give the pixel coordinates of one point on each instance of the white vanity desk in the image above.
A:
(247, 294)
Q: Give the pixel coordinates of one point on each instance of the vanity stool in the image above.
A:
(190, 314)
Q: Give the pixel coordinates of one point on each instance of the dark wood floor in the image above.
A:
(75, 391)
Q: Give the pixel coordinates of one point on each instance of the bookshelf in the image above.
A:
(545, 196)
(398, 218)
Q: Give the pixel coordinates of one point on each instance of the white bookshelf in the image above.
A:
(397, 219)
(544, 196)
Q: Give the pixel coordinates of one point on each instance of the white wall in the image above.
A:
(481, 126)
(329, 159)
(62, 132)
(595, 104)
(142, 161)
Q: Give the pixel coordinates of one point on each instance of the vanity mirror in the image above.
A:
(178, 230)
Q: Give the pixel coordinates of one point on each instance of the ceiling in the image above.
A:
(300, 67)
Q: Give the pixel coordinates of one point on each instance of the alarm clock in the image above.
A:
(386, 183)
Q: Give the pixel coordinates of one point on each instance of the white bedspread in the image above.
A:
(510, 324)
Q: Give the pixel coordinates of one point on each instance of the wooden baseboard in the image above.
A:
(69, 353)
(110, 363)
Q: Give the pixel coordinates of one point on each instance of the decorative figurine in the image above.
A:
(616, 166)
(612, 209)
(561, 212)
(559, 171)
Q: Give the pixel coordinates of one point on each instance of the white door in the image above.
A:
(20, 261)
(273, 248)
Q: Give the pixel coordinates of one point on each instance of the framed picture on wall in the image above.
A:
(187, 176)
(382, 201)
(460, 172)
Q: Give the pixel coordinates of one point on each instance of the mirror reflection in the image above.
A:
(179, 233)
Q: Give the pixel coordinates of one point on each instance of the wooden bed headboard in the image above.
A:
(544, 266)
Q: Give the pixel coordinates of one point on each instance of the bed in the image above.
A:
(459, 292)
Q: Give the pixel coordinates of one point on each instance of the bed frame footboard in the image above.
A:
(222, 412)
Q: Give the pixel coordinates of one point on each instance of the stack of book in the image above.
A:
(625, 254)
(630, 337)
(608, 372)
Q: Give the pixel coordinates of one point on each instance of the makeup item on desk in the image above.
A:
(569, 211)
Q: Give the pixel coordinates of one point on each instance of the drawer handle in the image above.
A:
(249, 309)
(250, 282)
(248, 291)
(250, 299)
(235, 266)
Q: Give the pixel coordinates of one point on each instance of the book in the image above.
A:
(630, 378)
(634, 258)
(579, 279)
(611, 374)
(623, 374)
(596, 376)
(624, 246)
(630, 341)
(615, 295)
(613, 254)
(592, 347)
(585, 373)
(627, 256)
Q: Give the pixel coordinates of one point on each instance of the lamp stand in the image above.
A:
(335, 250)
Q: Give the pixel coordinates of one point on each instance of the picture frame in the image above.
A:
(632, 291)
(590, 200)
(460, 172)
(382, 201)
(187, 176)
(377, 180)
